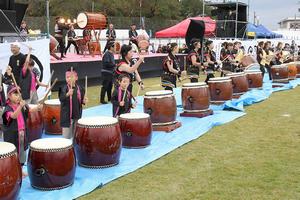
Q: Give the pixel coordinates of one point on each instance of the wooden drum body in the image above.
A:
(136, 129)
(220, 89)
(51, 112)
(298, 69)
(280, 73)
(87, 20)
(51, 163)
(53, 44)
(239, 83)
(98, 142)
(10, 172)
(292, 67)
(247, 61)
(255, 79)
(34, 125)
(161, 105)
(117, 47)
(195, 97)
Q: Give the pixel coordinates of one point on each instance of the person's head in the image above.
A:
(13, 94)
(111, 46)
(266, 45)
(126, 52)
(230, 46)
(57, 19)
(237, 44)
(23, 24)
(195, 43)
(71, 76)
(224, 44)
(15, 48)
(111, 26)
(124, 81)
(173, 48)
(209, 44)
(261, 44)
(279, 45)
(133, 26)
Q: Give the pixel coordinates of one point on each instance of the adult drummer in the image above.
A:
(129, 67)
(269, 55)
(193, 61)
(229, 63)
(58, 29)
(16, 60)
(110, 36)
(261, 57)
(279, 53)
(133, 35)
(211, 60)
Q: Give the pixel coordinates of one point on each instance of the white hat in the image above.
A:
(17, 44)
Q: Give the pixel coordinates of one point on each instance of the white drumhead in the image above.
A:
(82, 20)
(279, 66)
(51, 143)
(52, 102)
(6, 148)
(219, 79)
(253, 72)
(159, 93)
(194, 84)
(235, 74)
(97, 121)
(135, 116)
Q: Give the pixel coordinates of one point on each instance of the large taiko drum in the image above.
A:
(161, 105)
(136, 129)
(195, 97)
(51, 117)
(143, 45)
(51, 163)
(53, 44)
(292, 67)
(34, 124)
(87, 20)
(98, 142)
(280, 73)
(248, 61)
(298, 69)
(255, 79)
(117, 47)
(239, 83)
(10, 172)
(220, 89)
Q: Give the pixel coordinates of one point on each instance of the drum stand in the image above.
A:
(166, 127)
(199, 114)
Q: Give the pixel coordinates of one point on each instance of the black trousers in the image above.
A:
(107, 85)
(262, 69)
(61, 45)
(269, 71)
(209, 76)
(69, 44)
(194, 80)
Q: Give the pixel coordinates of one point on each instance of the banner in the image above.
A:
(40, 55)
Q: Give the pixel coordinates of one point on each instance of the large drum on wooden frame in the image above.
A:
(292, 67)
(239, 83)
(161, 105)
(136, 129)
(87, 20)
(255, 79)
(98, 142)
(51, 117)
(280, 73)
(51, 163)
(34, 124)
(53, 44)
(195, 97)
(10, 172)
(220, 89)
(143, 45)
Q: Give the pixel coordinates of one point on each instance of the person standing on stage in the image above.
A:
(71, 39)
(211, 60)
(194, 64)
(58, 29)
(133, 35)
(127, 66)
(110, 36)
(261, 57)
(108, 66)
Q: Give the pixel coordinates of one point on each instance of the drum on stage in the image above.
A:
(255, 79)
(143, 45)
(161, 105)
(195, 97)
(51, 163)
(10, 172)
(117, 47)
(298, 69)
(292, 67)
(136, 129)
(239, 83)
(88, 20)
(248, 62)
(220, 89)
(51, 117)
(94, 48)
(98, 142)
(280, 73)
(53, 44)
(34, 124)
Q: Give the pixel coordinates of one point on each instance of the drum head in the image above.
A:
(51, 143)
(219, 79)
(159, 93)
(97, 121)
(235, 74)
(199, 84)
(254, 66)
(143, 44)
(6, 148)
(82, 20)
(279, 66)
(253, 72)
(135, 116)
(54, 102)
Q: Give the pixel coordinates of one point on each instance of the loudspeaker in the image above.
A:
(7, 4)
(5, 25)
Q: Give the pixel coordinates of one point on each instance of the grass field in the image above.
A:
(254, 157)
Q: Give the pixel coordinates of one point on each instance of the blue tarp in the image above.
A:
(261, 31)
(86, 180)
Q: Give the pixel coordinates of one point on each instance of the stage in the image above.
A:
(91, 67)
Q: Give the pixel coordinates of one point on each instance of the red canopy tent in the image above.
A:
(179, 30)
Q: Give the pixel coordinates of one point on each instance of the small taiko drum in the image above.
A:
(220, 89)
(87, 20)
(280, 73)
(292, 70)
(298, 69)
(117, 47)
(239, 83)
(10, 172)
(195, 97)
(255, 79)
(53, 44)
(51, 163)
(136, 129)
(161, 105)
(51, 117)
(98, 142)
(34, 124)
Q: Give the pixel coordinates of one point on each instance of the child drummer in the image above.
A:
(14, 121)
(121, 97)
(72, 97)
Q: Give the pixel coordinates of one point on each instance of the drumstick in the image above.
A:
(50, 79)
(15, 83)
(124, 94)
(72, 78)
(46, 95)
(86, 89)
(184, 63)
(138, 92)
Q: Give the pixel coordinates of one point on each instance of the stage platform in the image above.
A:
(91, 67)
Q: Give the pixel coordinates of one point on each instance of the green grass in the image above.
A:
(253, 157)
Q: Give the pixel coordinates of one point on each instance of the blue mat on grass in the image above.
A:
(86, 180)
